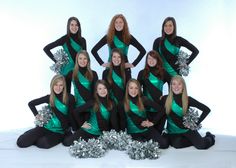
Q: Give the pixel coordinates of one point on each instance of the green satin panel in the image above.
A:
(70, 65)
(95, 130)
(54, 124)
(118, 80)
(172, 128)
(155, 82)
(119, 44)
(86, 83)
(173, 50)
(131, 127)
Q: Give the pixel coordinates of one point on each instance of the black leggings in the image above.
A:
(190, 138)
(153, 134)
(40, 137)
(68, 140)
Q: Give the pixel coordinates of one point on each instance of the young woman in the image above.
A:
(83, 79)
(152, 78)
(72, 43)
(118, 36)
(116, 76)
(133, 115)
(61, 105)
(177, 104)
(168, 45)
(102, 115)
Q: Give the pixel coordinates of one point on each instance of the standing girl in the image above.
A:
(116, 76)
(83, 79)
(133, 115)
(72, 43)
(177, 104)
(152, 78)
(118, 36)
(102, 115)
(168, 45)
(61, 105)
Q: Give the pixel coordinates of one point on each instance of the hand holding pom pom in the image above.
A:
(43, 116)
(62, 59)
(190, 119)
(182, 61)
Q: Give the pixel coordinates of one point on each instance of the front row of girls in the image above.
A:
(98, 106)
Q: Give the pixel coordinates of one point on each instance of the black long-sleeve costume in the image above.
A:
(86, 94)
(43, 137)
(170, 57)
(117, 91)
(180, 136)
(133, 42)
(61, 42)
(152, 89)
(149, 87)
(102, 123)
(142, 133)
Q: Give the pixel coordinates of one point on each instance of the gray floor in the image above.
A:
(222, 155)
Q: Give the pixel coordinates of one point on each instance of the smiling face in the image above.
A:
(177, 86)
(101, 90)
(133, 89)
(116, 59)
(82, 60)
(169, 27)
(58, 87)
(74, 27)
(119, 24)
(151, 61)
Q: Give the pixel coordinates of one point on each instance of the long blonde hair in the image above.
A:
(54, 80)
(89, 73)
(169, 99)
(126, 99)
(111, 30)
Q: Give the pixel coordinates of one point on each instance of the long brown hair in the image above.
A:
(159, 70)
(126, 99)
(89, 73)
(125, 32)
(54, 81)
(97, 102)
(174, 34)
(68, 26)
(169, 99)
(122, 66)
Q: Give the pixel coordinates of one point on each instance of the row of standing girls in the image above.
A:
(96, 106)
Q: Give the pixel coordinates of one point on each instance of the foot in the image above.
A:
(212, 136)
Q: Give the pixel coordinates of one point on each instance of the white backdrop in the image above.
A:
(27, 26)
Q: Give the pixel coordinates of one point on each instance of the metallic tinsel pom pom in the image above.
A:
(61, 58)
(115, 140)
(190, 119)
(142, 150)
(182, 62)
(44, 115)
(93, 148)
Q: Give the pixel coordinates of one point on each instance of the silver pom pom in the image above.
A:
(182, 61)
(43, 117)
(190, 119)
(115, 140)
(61, 58)
(142, 150)
(93, 148)
(153, 151)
